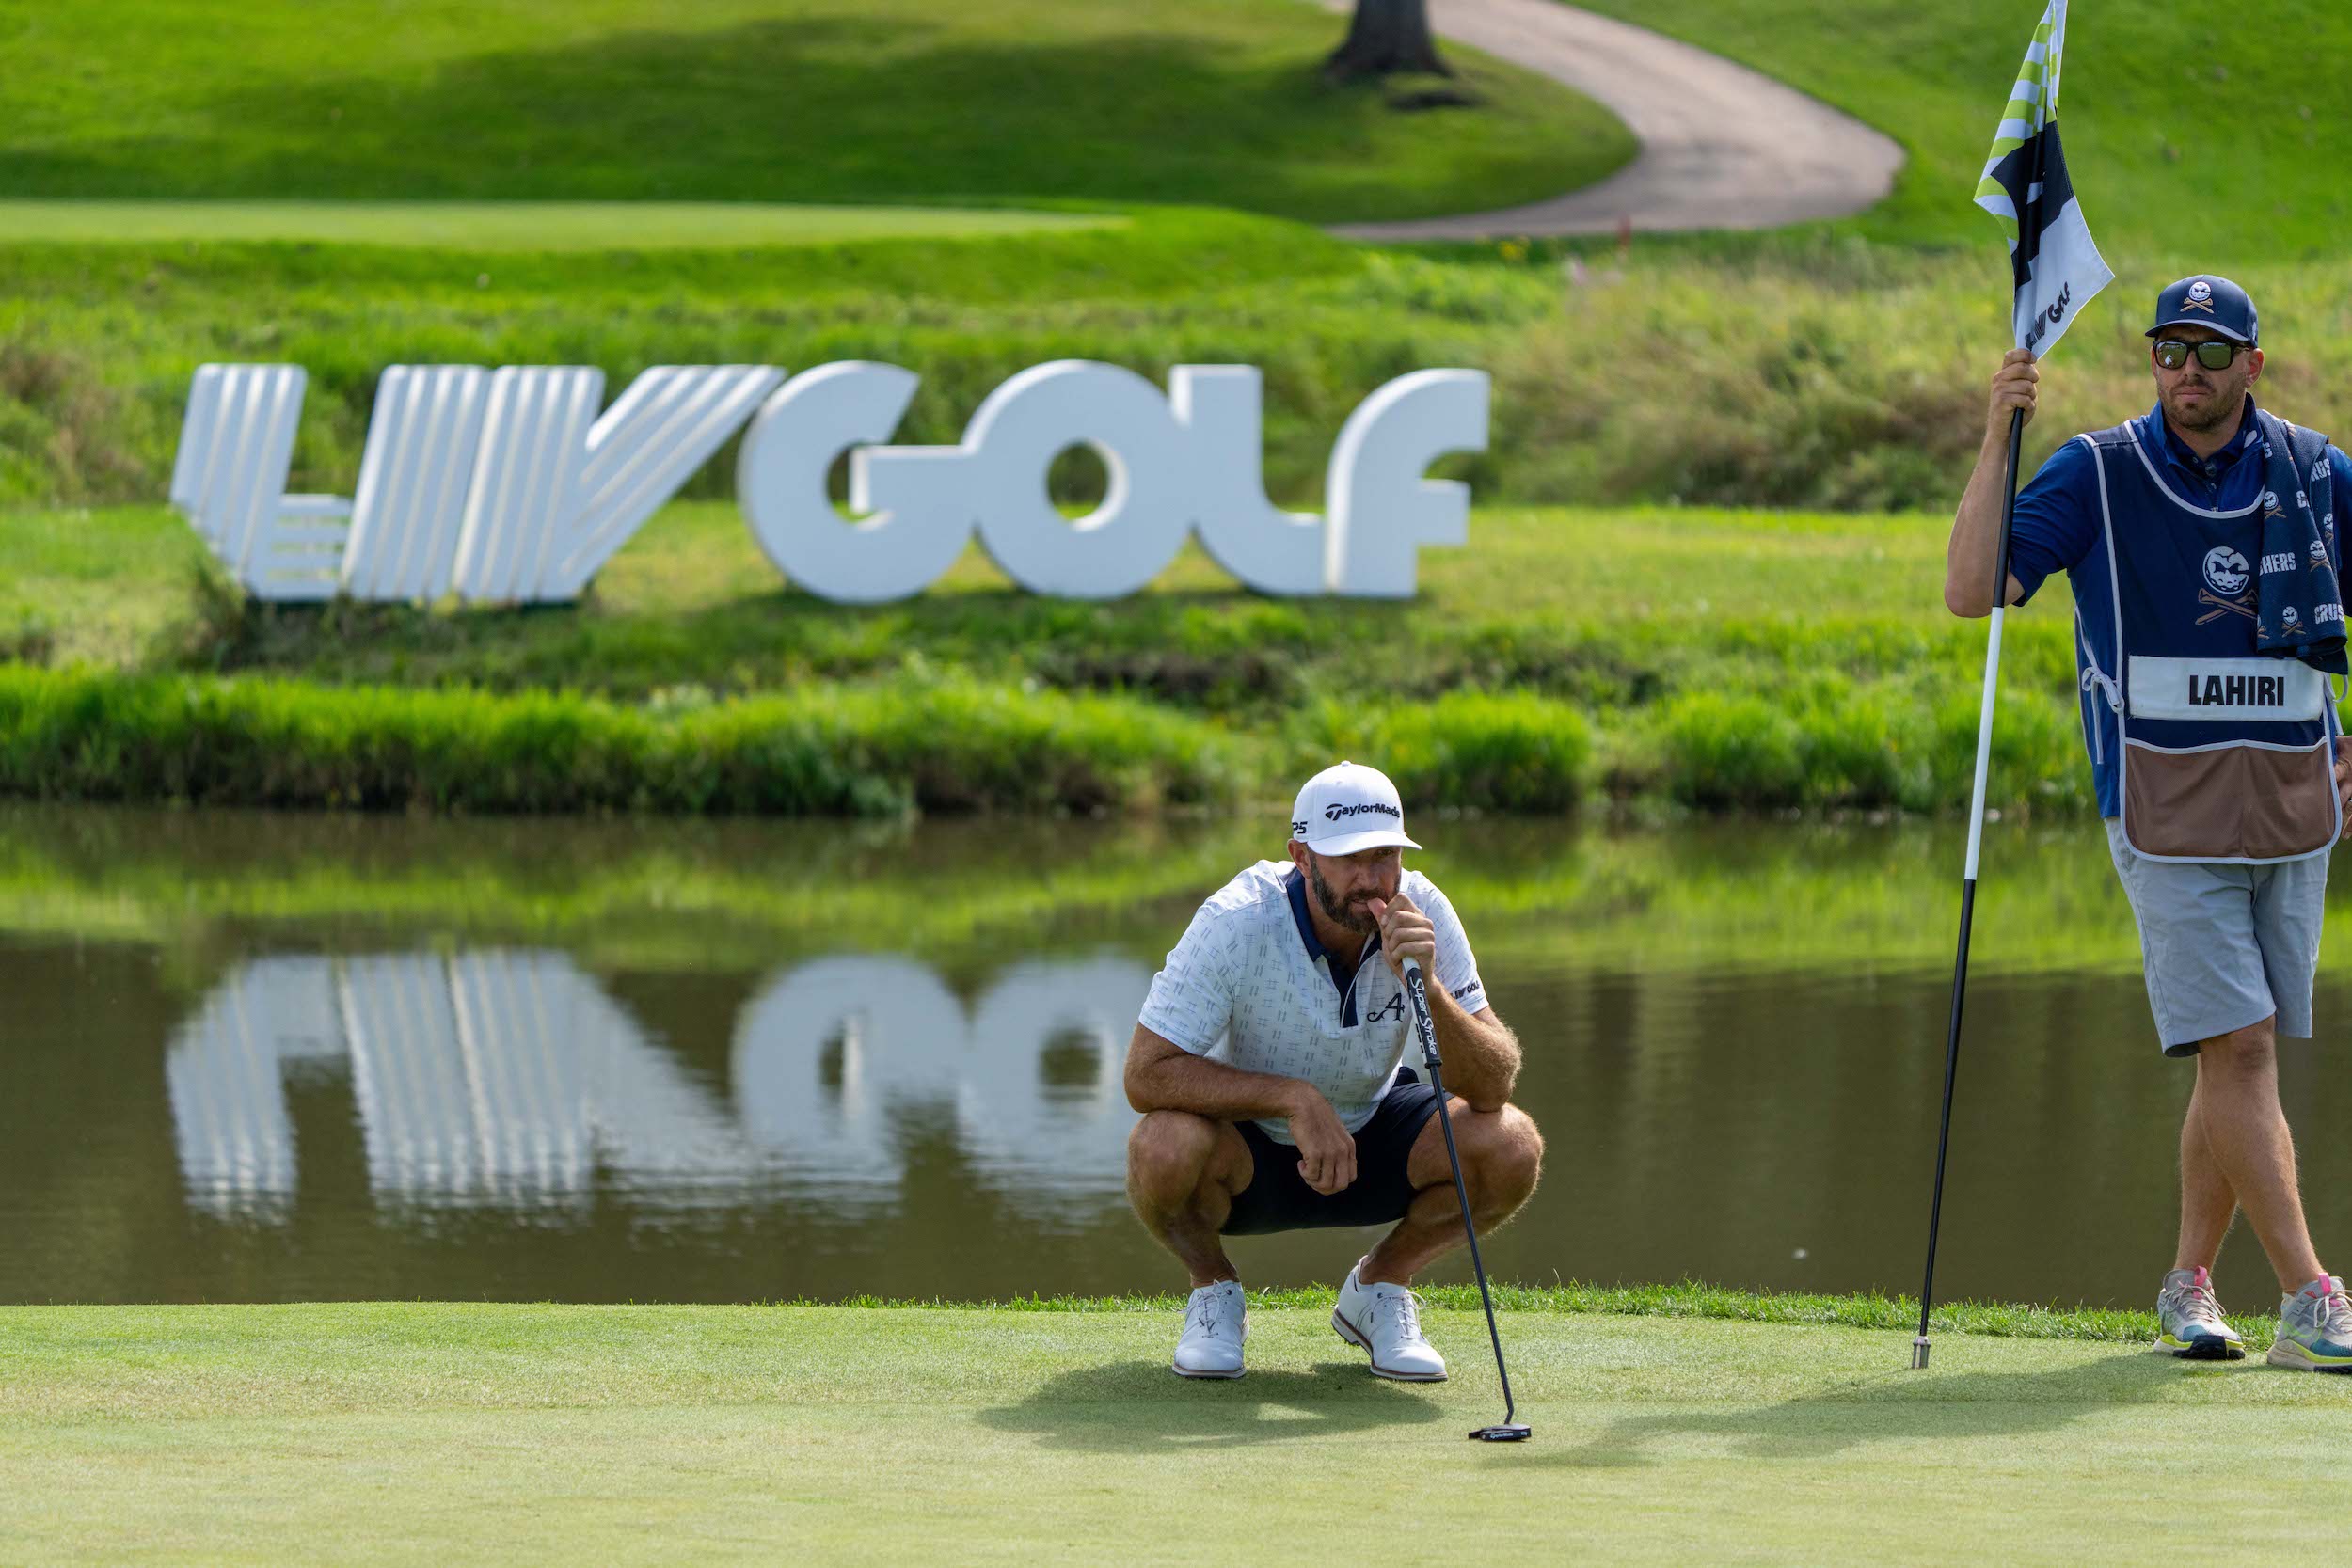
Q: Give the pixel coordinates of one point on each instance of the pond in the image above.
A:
(259, 1057)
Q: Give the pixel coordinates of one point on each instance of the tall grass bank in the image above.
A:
(1686, 658)
(826, 750)
(925, 745)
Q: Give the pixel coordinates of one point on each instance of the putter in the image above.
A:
(1507, 1431)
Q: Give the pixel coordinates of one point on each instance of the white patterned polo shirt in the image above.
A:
(1248, 984)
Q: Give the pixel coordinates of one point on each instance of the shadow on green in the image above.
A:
(1139, 1406)
(1899, 1407)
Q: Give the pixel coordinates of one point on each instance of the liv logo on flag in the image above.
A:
(508, 487)
(2056, 267)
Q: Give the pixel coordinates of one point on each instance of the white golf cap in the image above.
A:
(1349, 807)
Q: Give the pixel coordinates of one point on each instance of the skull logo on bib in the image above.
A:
(2225, 572)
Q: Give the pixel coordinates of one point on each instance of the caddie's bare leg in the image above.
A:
(2237, 1092)
(1183, 1172)
(2208, 1203)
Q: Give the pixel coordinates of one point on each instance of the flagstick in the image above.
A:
(1968, 881)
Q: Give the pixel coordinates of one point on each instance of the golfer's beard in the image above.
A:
(1359, 921)
(2219, 410)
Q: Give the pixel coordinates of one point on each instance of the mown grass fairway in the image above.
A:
(525, 226)
(861, 101)
(656, 1435)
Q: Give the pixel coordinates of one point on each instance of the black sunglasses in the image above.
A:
(2215, 354)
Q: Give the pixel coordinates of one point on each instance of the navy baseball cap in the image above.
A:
(2207, 301)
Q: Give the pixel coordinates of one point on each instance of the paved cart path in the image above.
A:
(1723, 147)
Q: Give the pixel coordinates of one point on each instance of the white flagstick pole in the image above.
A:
(1968, 878)
(2025, 184)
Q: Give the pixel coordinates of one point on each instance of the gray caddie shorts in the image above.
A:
(2223, 945)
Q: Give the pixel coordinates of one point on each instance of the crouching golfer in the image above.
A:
(1269, 1064)
(2201, 541)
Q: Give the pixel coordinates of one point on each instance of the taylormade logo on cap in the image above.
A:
(1347, 808)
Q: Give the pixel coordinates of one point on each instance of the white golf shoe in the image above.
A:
(1385, 1320)
(1216, 1320)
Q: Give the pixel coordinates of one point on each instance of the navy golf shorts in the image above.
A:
(1278, 1199)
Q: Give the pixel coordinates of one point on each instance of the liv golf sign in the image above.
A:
(508, 485)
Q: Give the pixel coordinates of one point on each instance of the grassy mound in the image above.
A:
(1811, 371)
(859, 101)
(1839, 366)
(634, 1434)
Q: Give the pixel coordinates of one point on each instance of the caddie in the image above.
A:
(2200, 540)
(1269, 1064)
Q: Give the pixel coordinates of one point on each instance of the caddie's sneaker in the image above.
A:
(2315, 1328)
(1216, 1320)
(1385, 1320)
(2189, 1323)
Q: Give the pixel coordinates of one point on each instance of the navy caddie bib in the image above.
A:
(2226, 754)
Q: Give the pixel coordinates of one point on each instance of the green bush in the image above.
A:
(2038, 760)
(1907, 743)
(1508, 751)
(1862, 750)
(1731, 752)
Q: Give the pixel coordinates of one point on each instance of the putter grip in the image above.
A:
(1416, 988)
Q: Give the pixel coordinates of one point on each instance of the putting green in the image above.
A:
(656, 1435)
(519, 224)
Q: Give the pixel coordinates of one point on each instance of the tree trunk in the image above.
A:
(1386, 38)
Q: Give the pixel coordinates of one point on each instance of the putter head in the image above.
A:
(1512, 1432)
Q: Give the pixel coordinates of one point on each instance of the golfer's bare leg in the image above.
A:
(2237, 1092)
(1502, 1156)
(2208, 1203)
(1183, 1172)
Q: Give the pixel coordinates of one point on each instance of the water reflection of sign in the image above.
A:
(508, 487)
(826, 1057)
(508, 1078)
